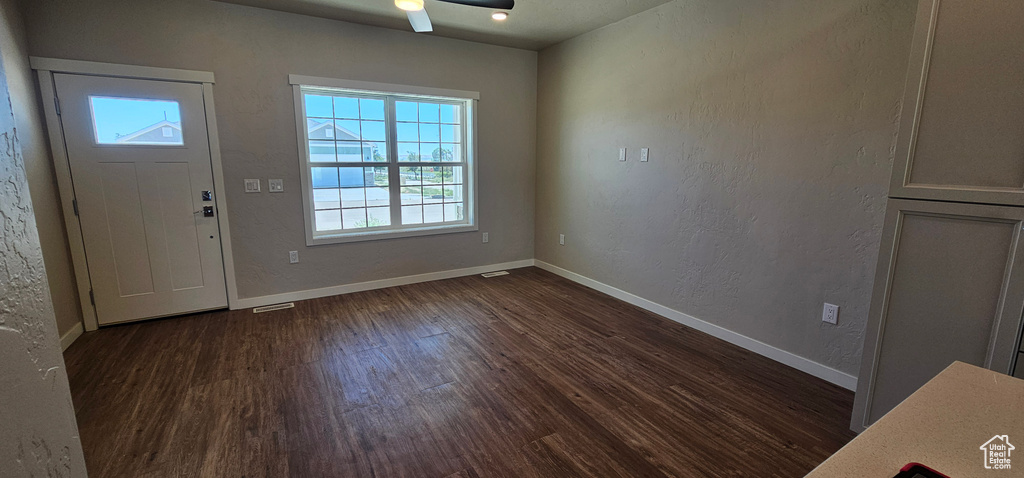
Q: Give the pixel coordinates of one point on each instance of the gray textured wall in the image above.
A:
(38, 434)
(41, 180)
(252, 51)
(771, 126)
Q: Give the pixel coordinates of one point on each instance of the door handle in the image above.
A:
(206, 210)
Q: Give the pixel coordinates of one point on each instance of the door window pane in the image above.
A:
(136, 121)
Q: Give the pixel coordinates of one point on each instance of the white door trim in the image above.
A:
(45, 68)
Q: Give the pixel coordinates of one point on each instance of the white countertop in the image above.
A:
(942, 425)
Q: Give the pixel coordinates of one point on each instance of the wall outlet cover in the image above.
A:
(622, 154)
(486, 238)
(293, 257)
(830, 314)
(275, 185)
(252, 185)
(645, 154)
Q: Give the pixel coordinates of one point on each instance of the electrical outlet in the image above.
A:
(486, 238)
(561, 239)
(645, 154)
(830, 314)
(252, 185)
(622, 154)
(275, 185)
(293, 257)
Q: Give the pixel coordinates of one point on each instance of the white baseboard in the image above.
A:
(376, 284)
(70, 336)
(816, 369)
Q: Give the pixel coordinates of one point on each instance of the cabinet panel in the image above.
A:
(949, 286)
(962, 130)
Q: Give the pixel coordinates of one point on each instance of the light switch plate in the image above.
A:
(252, 185)
(275, 185)
(561, 239)
(622, 154)
(645, 154)
(293, 257)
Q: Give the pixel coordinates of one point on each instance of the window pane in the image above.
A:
(433, 213)
(321, 151)
(375, 152)
(326, 198)
(456, 176)
(329, 220)
(431, 175)
(406, 111)
(349, 151)
(373, 130)
(136, 121)
(347, 108)
(378, 216)
(412, 195)
(453, 212)
(430, 151)
(430, 133)
(412, 214)
(429, 113)
(378, 197)
(451, 133)
(320, 128)
(353, 197)
(433, 195)
(449, 152)
(407, 132)
(409, 175)
(379, 175)
(317, 105)
(346, 130)
(453, 193)
(325, 178)
(353, 177)
(409, 152)
(453, 152)
(354, 218)
(451, 114)
(371, 109)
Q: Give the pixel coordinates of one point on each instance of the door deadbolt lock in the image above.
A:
(207, 195)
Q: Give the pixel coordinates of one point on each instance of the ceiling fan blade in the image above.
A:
(495, 4)
(420, 21)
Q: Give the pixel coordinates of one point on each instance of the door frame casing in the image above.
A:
(45, 69)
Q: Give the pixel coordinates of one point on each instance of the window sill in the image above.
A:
(393, 234)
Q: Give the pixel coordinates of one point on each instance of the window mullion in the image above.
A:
(394, 176)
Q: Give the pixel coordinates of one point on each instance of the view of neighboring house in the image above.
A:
(323, 133)
(164, 132)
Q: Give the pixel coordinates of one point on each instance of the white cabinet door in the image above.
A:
(140, 162)
(962, 128)
(949, 287)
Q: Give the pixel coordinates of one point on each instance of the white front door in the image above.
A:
(139, 153)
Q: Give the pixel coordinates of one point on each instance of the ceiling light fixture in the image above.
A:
(499, 16)
(409, 5)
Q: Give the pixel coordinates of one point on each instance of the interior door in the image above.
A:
(140, 162)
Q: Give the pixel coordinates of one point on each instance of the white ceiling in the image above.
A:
(533, 24)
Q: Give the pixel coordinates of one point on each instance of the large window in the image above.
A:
(386, 161)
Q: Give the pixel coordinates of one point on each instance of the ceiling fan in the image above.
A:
(421, 22)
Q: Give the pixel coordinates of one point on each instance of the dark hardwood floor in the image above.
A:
(526, 375)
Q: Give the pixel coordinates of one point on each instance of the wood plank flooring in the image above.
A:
(525, 375)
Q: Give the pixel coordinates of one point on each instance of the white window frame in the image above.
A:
(469, 99)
